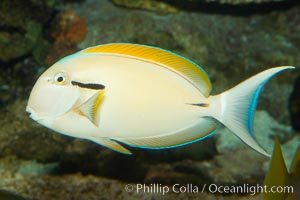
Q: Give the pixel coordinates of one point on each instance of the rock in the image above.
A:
(67, 30)
(236, 167)
(26, 167)
(239, 2)
(7, 195)
(172, 6)
(104, 162)
(157, 6)
(233, 167)
(26, 139)
(78, 186)
(22, 23)
(68, 27)
(14, 45)
(294, 105)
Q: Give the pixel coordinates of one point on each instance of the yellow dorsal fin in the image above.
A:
(183, 66)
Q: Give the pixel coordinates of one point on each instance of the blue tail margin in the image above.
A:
(237, 106)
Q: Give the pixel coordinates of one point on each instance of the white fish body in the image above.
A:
(141, 96)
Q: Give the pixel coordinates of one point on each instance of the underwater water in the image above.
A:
(230, 41)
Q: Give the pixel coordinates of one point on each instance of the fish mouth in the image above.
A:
(32, 113)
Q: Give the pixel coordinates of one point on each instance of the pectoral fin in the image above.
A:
(90, 107)
(110, 144)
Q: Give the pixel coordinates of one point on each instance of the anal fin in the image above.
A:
(200, 130)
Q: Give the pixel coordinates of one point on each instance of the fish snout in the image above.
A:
(32, 113)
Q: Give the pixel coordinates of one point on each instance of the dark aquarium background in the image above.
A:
(231, 39)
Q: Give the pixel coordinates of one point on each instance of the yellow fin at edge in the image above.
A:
(296, 162)
(277, 174)
(110, 144)
(90, 107)
(188, 69)
(295, 175)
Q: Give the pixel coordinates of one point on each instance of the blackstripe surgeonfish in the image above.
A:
(141, 96)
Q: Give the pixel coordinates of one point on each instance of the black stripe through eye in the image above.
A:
(93, 86)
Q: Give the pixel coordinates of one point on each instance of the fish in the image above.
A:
(124, 94)
(288, 179)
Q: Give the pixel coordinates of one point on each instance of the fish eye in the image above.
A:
(60, 78)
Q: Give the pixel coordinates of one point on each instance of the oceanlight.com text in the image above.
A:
(249, 189)
(211, 188)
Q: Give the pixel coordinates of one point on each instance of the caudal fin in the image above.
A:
(235, 107)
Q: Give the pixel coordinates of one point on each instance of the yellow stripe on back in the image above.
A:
(186, 68)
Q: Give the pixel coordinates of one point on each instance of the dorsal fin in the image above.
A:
(183, 66)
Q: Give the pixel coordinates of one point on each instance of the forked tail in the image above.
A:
(235, 107)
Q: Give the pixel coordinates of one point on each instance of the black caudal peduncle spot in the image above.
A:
(93, 86)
